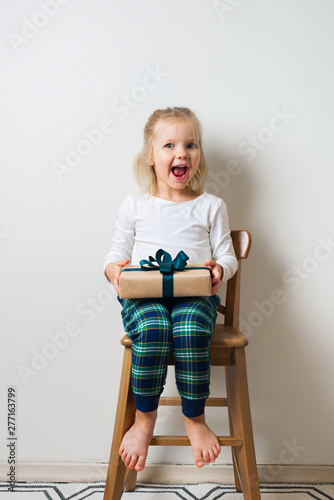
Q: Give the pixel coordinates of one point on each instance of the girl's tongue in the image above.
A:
(179, 171)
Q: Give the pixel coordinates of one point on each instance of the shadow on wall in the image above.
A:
(282, 368)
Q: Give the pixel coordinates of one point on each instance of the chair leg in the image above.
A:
(234, 458)
(125, 416)
(131, 480)
(236, 380)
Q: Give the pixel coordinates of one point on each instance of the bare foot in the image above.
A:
(133, 449)
(204, 442)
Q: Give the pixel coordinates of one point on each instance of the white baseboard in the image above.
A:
(166, 473)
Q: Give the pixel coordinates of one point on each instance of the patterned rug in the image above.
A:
(204, 491)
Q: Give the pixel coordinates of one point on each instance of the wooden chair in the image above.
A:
(227, 349)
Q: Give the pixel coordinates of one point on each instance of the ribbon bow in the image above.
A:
(164, 261)
(166, 265)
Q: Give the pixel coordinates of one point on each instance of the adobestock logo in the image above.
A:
(76, 154)
(222, 178)
(226, 7)
(293, 277)
(248, 149)
(287, 456)
(57, 342)
(299, 273)
(263, 309)
(3, 237)
(31, 28)
(41, 358)
(254, 143)
(121, 109)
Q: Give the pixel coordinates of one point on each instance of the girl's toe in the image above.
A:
(133, 462)
(140, 463)
(217, 449)
(199, 461)
(206, 457)
(212, 455)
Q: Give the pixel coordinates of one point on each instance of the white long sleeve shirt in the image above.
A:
(199, 227)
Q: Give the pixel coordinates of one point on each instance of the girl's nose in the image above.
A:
(182, 152)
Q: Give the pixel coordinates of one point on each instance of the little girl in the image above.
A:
(173, 213)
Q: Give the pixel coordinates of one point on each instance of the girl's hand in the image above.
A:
(113, 271)
(217, 273)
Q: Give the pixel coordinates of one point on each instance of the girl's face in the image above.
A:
(175, 155)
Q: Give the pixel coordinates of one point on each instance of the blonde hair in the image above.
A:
(144, 172)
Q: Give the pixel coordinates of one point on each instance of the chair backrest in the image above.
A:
(241, 242)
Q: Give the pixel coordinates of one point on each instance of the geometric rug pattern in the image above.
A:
(203, 491)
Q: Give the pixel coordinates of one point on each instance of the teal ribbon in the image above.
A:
(166, 266)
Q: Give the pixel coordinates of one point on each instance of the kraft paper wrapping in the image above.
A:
(141, 284)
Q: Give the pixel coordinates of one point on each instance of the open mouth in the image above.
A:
(179, 172)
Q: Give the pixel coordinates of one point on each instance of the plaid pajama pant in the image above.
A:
(157, 326)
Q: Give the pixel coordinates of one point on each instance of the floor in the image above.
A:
(203, 491)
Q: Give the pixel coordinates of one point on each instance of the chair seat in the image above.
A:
(227, 336)
(222, 336)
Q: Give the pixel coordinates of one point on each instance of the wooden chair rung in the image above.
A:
(184, 441)
(221, 309)
(166, 401)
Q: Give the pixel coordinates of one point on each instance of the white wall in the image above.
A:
(237, 69)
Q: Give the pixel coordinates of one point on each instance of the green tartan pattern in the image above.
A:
(183, 325)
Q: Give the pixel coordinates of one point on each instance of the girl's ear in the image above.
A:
(150, 160)
(149, 155)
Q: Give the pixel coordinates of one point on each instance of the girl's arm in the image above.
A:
(122, 244)
(223, 264)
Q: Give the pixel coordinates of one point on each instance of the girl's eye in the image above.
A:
(191, 145)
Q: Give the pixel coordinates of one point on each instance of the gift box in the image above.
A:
(163, 277)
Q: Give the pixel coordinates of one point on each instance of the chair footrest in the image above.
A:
(184, 441)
